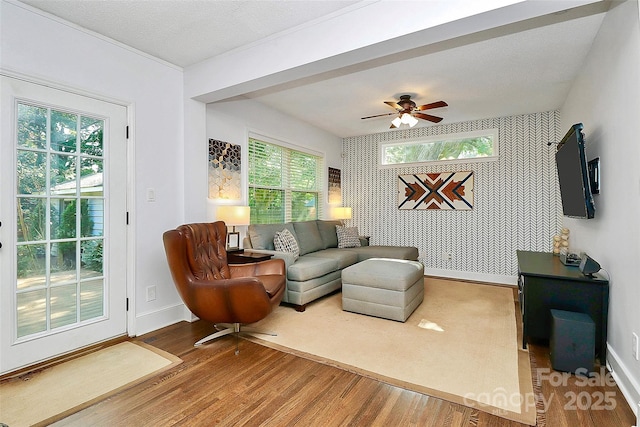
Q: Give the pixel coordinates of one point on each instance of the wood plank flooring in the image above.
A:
(261, 386)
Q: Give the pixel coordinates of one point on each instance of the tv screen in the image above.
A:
(573, 175)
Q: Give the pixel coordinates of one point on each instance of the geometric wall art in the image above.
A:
(437, 191)
(335, 183)
(224, 170)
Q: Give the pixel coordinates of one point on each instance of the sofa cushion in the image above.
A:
(384, 273)
(262, 235)
(396, 252)
(308, 236)
(344, 258)
(327, 231)
(284, 241)
(308, 267)
(347, 237)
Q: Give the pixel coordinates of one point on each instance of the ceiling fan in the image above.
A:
(407, 110)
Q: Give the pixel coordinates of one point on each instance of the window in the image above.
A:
(284, 184)
(59, 216)
(469, 146)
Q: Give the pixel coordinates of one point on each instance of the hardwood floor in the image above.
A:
(261, 386)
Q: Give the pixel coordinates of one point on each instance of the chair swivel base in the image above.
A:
(232, 328)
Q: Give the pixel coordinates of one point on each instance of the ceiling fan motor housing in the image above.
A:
(406, 103)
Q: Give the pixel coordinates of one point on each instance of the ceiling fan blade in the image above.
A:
(437, 104)
(428, 117)
(393, 104)
(379, 115)
(392, 126)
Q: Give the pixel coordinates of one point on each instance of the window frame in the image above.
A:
(287, 190)
(493, 133)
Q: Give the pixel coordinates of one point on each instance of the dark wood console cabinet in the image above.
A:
(544, 283)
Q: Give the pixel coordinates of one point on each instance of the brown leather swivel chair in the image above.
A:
(216, 291)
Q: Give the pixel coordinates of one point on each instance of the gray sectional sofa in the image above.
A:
(318, 270)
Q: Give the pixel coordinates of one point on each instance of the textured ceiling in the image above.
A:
(523, 68)
(185, 32)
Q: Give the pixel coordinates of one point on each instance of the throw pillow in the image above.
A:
(347, 237)
(284, 241)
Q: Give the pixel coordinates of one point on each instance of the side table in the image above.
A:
(240, 257)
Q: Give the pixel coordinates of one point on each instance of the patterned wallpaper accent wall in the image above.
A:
(517, 200)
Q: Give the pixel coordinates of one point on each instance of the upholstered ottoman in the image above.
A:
(383, 287)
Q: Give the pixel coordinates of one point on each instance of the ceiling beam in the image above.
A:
(366, 32)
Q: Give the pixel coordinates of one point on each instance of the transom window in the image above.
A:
(468, 146)
(284, 184)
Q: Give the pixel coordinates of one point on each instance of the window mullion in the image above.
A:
(286, 184)
(320, 179)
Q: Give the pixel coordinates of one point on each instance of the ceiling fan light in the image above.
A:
(405, 118)
(412, 120)
(396, 122)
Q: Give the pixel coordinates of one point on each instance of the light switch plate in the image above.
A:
(151, 195)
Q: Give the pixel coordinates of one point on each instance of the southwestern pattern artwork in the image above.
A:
(438, 191)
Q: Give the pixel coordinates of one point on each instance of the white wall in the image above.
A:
(232, 121)
(38, 45)
(606, 99)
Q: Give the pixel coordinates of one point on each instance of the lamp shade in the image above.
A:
(234, 215)
(408, 119)
(404, 119)
(341, 212)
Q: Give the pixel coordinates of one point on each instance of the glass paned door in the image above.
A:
(63, 212)
(59, 218)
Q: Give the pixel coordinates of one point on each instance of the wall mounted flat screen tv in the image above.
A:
(573, 175)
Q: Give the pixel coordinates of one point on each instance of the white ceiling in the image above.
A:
(185, 32)
(504, 71)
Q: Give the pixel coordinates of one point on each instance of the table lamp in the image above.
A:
(232, 216)
(341, 213)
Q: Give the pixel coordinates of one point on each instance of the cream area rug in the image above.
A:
(461, 345)
(53, 393)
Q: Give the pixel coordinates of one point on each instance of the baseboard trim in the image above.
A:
(468, 275)
(153, 320)
(628, 385)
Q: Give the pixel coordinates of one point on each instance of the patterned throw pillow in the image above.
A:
(347, 237)
(284, 241)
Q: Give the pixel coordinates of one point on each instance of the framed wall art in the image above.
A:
(437, 191)
(335, 186)
(225, 180)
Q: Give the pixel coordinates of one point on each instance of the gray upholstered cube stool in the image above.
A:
(383, 287)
